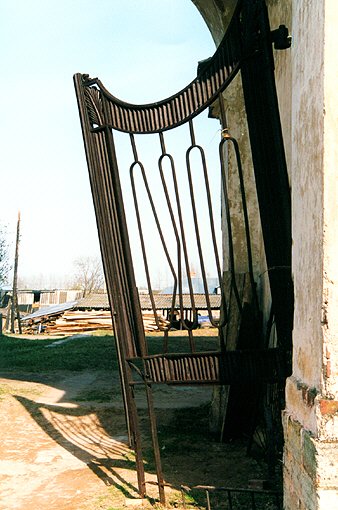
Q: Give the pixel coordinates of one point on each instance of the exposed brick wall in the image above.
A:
(310, 469)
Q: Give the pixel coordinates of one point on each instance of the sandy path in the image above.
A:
(60, 452)
(56, 454)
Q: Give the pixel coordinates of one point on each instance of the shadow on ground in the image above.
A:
(82, 412)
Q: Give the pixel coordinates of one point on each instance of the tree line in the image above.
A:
(87, 274)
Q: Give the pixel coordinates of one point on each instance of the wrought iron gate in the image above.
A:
(246, 47)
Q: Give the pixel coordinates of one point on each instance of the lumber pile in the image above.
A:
(70, 322)
(78, 321)
(149, 322)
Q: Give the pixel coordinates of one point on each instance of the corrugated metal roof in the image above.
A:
(100, 301)
(50, 310)
(94, 301)
(162, 301)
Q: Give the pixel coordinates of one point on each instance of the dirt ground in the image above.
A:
(64, 444)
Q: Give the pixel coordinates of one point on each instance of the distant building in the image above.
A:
(30, 299)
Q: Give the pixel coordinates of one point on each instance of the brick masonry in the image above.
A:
(310, 469)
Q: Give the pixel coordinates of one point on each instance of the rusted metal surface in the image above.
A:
(214, 76)
(253, 366)
(178, 227)
(268, 156)
(101, 116)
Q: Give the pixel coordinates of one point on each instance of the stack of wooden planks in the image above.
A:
(149, 322)
(77, 321)
(69, 322)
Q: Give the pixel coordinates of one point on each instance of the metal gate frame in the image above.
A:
(246, 47)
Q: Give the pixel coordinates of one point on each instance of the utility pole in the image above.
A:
(15, 304)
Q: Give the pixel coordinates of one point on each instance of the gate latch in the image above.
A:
(281, 38)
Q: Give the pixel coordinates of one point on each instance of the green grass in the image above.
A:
(33, 355)
(88, 352)
(180, 343)
(94, 396)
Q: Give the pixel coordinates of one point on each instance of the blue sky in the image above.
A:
(142, 50)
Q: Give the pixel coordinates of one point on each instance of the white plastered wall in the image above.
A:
(314, 203)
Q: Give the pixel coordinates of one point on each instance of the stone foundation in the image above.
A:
(310, 469)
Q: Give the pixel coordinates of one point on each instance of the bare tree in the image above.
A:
(88, 275)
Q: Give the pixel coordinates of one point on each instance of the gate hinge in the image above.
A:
(281, 38)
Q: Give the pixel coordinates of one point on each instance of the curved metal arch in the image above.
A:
(213, 76)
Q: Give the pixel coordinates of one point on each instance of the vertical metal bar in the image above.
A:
(230, 500)
(273, 189)
(165, 341)
(182, 232)
(97, 145)
(127, 258)
(208, 500)
(253, 502)
(156, 448)
(138, 163)
(228, 217)
(211, 222)
(123, 379)
(90, 151)
(191, 341)
(137, 445)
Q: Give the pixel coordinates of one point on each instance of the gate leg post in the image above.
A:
(136, 436)
(156, 448)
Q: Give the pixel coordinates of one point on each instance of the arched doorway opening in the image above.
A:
(246, 47)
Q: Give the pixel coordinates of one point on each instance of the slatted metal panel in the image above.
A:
(106, 110)
(250, 366)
